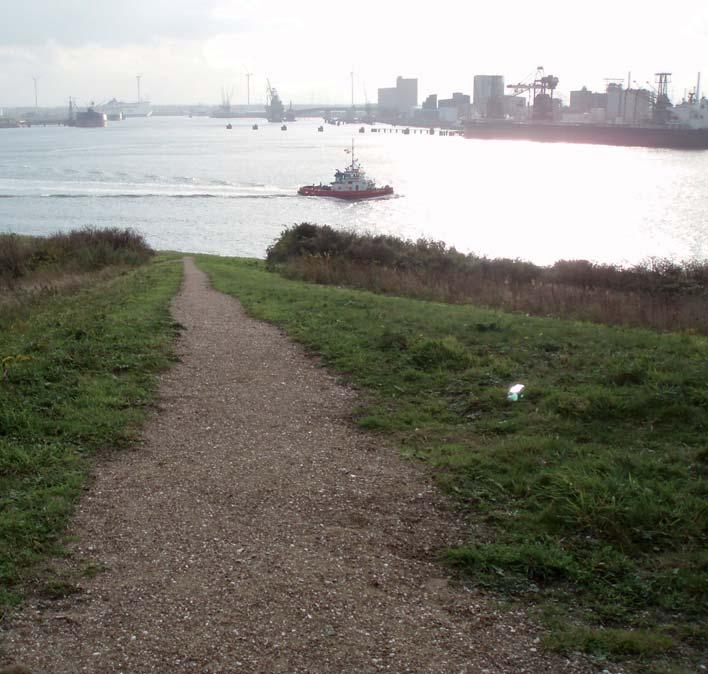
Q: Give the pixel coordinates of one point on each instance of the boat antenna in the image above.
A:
(137, 77)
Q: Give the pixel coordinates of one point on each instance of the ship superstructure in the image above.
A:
(351, 184)
(692, 113)
(134, 109)
(275, 111)
(116, 109)
(86, 119)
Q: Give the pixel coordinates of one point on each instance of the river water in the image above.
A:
(189, 184)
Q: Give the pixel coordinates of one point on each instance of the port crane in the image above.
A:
(541, 89)
(271, 93)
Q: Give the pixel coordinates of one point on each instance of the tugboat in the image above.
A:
(351, 184)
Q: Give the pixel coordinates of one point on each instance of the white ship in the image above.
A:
(136, 109)
(692, 113)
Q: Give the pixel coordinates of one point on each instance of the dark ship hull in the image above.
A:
(89, 120)
(275, 111)
(327, 191)
(679, 138)
(275, 114)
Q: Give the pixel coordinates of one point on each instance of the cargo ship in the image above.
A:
(275, 110)
(639, 118)
(87, 119)
(672, 136)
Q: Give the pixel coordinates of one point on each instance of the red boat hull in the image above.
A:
(325, 191)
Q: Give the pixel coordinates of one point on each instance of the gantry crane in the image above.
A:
(541, 89)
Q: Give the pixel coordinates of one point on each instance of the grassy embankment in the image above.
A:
(658, 293)
(77, 374)
(586, 498)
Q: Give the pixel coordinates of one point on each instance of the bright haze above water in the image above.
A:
(189, 184)
(188, 50)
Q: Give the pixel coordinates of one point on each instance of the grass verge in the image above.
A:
(587, 496)
(77, 375)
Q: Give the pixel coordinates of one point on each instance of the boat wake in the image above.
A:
(147, 195)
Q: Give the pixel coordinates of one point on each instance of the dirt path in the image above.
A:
(255, 530)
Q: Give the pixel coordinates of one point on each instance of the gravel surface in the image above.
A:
(254, 529)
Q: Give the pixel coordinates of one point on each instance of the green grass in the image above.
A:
(77, 376)
(588, 494)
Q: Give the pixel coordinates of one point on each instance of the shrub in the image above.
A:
(82, 250)
(657, 293)
(14, 257)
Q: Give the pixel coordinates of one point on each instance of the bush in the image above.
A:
(657, 293)
(13, 258)
(82, 250)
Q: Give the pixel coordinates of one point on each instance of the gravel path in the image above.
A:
(255, 530)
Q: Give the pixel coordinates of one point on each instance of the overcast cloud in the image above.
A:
(113, 22)
(187, 51)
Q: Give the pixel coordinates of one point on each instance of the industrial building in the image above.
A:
(583, 100)
(616, 106)
(452, 109)
(401, 99)
(628, 106)
(430, 103)
(488, 95)
(515, 108)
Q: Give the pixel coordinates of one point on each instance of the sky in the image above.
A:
(188, 51)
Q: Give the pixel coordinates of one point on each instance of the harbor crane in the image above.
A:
(271, 93)
(541, 89)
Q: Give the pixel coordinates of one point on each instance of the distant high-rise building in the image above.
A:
(408, 91)
(400, 99)
(430, 103)
(388, 99)
(488, 95)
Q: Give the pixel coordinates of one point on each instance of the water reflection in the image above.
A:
(191, 185)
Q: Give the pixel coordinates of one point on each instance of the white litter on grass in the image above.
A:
(515, 392)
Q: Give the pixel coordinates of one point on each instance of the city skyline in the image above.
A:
(188, 52)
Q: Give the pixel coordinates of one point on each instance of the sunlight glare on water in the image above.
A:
(191, 185)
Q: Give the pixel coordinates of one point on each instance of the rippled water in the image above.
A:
(192, 185)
